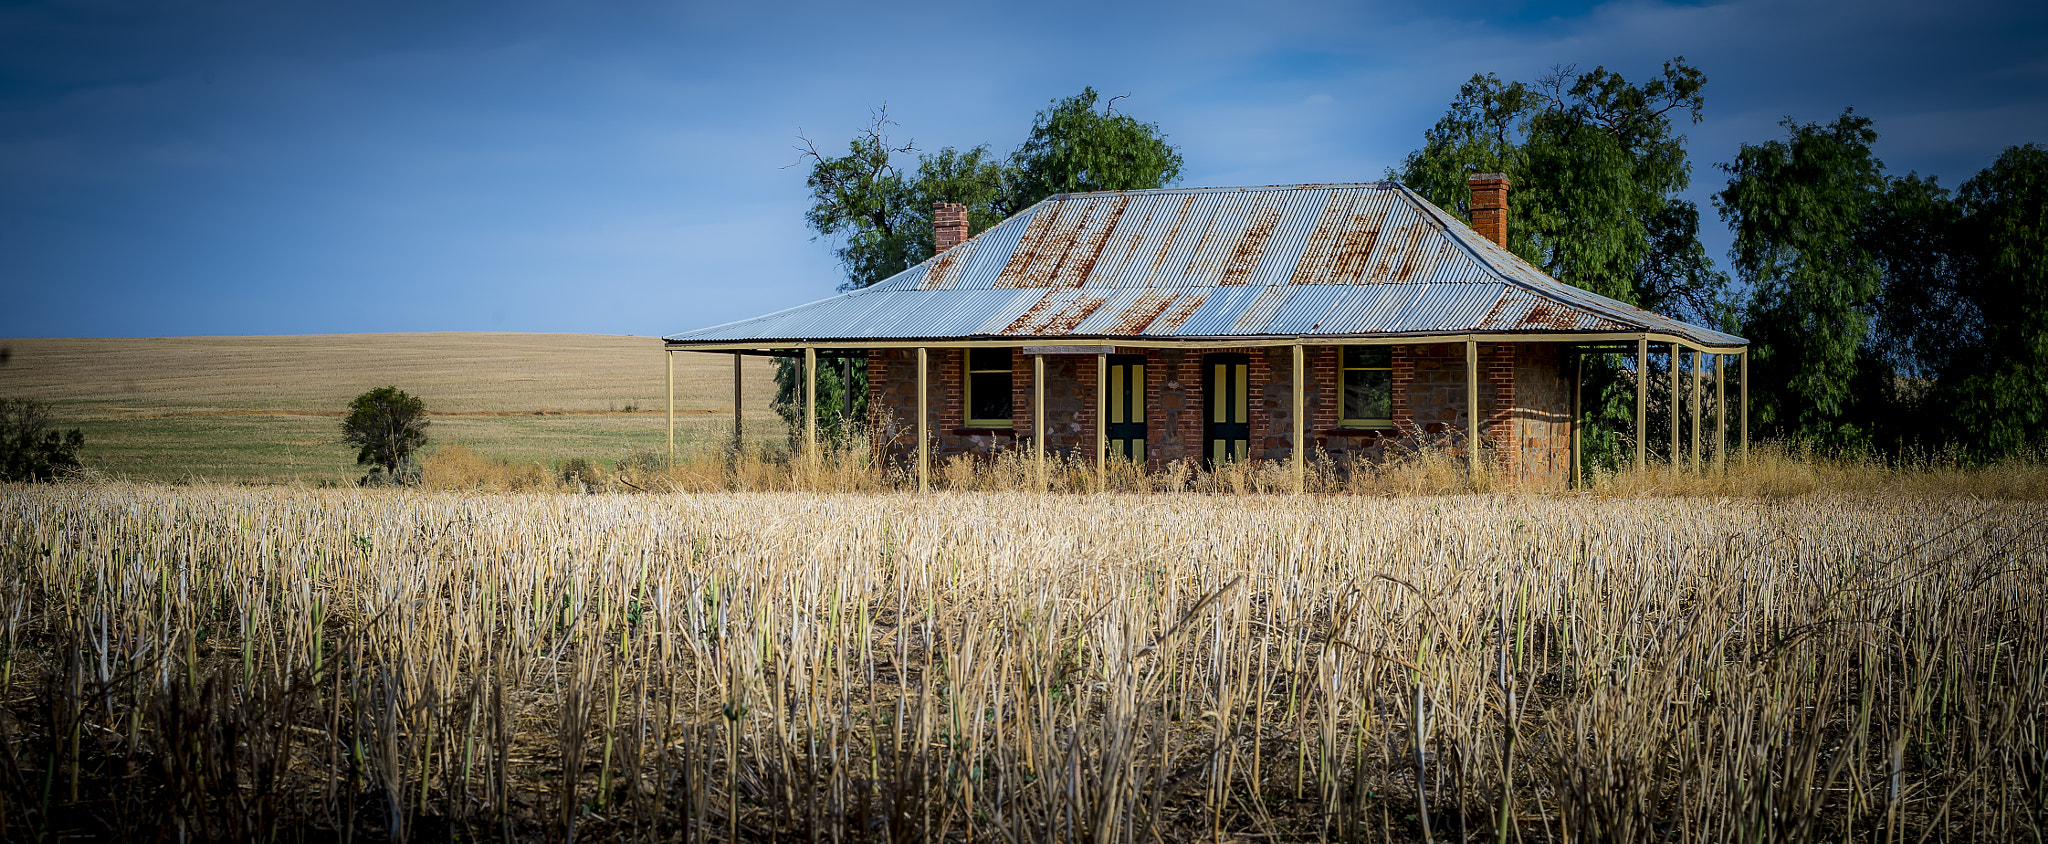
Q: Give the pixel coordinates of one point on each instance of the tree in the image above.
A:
(1800, 208)
(387, 425)
(2000, 387)
(880, 209)
(31, 450)
(1597, 166)
(1074, 149)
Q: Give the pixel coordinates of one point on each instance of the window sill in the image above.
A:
(976, 430)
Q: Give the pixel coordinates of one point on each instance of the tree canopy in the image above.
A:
(30, 448)
(1799, 208)
(1597, 165)
(387, 425)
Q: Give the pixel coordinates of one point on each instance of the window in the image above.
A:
(988, 388)
(1368, 379)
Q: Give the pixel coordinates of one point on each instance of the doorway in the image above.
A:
(1227, 418)
(1126, 421)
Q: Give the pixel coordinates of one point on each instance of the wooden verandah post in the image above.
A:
(672, 407)
(1642, 398)
(1472, 406)
(1038, 416)
(924, 463)
(1300, 429)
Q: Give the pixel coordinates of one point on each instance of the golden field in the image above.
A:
(231, 664)
(268, 409)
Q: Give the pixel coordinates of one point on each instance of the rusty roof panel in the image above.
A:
(1299, 260)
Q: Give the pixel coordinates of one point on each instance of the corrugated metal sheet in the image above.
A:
(1303, 260)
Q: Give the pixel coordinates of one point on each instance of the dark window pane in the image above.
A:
(990, 394)
(978, 359)
(1368, 356)
(1368, 394)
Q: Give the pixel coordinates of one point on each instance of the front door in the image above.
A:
(1226, 396)
(1127, 407)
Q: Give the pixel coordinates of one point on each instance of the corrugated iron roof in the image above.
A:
(1284, 261)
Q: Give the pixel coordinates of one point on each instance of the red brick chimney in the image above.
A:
(1490, 206)
(949, 225)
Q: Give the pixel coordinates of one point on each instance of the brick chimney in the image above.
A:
(949, 225)
(1490, 206)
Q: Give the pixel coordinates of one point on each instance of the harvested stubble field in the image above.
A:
(219, 663)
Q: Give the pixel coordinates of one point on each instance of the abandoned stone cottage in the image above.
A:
(1220, 324)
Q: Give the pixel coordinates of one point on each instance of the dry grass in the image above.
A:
(219, 663)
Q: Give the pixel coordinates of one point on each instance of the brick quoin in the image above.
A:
(1085, 376)
(1259, 378)
(1020, 397)
(1155, 413)
(1326, 393)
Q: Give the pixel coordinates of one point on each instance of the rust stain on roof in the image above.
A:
(1028, 245)
(1140, 313)
(1088, 239)
(1315, 254)
(944, 270)
(1182, 309)
(1244, 257)
(1180, 221)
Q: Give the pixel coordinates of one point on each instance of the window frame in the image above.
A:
(967, 373)
(1344, 372)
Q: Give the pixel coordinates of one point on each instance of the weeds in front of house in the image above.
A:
(214, 663)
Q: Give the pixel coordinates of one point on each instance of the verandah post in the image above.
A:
(1101, 417)
(737, 419)
(811, 404)
(923, 424)
(1696, 461)
(1300, 430)
(1578, 385)
(1472, 406)
(1642, 399)
(671, 407)
(1742, 377)
(1721, 413)
(1038, 415)
(1675, 455)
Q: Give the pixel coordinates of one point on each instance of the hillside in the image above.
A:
(267, 408)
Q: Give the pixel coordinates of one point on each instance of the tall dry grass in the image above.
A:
(708, 462)
(216, 663)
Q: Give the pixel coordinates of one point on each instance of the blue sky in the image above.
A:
(279, 167)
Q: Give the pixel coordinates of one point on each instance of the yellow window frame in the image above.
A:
(1347, 371)
(967, 386)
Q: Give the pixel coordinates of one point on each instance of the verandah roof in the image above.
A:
(1223, 264)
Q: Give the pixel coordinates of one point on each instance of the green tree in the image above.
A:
(880, 208)
(387, 426)
(30, 449)
(1800, 208)
(1597, 166)
(2000, 387)
(1075, 149)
